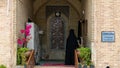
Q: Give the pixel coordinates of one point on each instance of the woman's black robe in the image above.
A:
(71, 45)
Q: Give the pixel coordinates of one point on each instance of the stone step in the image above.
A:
(49, 67)
(19, 66)
(54, 67)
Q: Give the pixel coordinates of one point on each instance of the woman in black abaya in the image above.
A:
(71, 45)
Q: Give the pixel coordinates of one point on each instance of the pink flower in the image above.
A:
(20, 42)
(22, 31)
(27, 32)
(28, 27)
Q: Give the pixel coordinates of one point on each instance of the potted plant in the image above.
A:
(85, 56)
(22, 50)
(21, 57)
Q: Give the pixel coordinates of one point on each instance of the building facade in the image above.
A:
(101, 15)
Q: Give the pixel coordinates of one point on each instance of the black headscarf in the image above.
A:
(71, 45)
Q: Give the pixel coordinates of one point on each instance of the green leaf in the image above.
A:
(21, 58)
(85, 55)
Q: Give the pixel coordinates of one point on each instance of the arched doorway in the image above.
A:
(56, 37)
(72, 19)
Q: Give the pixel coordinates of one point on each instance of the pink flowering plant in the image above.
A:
(22, 41)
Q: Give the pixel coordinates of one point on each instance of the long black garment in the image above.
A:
(71, 45)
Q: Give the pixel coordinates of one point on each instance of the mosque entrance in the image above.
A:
(56, 28)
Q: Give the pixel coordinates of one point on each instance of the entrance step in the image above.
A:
(20, 66)
(54, 67)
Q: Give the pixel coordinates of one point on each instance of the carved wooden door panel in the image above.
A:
(57, 38)
(57, 33)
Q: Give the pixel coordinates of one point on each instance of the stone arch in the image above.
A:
(74, 5)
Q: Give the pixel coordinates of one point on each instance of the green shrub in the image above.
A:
(21, 58)
(2, 66)
(85, 55)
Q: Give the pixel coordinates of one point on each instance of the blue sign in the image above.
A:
(108, 36)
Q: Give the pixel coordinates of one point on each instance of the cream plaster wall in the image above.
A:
(7, 47)
(87, 8)
(24, 10)
(106, 18)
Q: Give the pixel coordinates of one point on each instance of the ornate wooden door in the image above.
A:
(57, 42)
(57, 33)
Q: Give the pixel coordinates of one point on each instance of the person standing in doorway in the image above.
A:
(71, 45)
